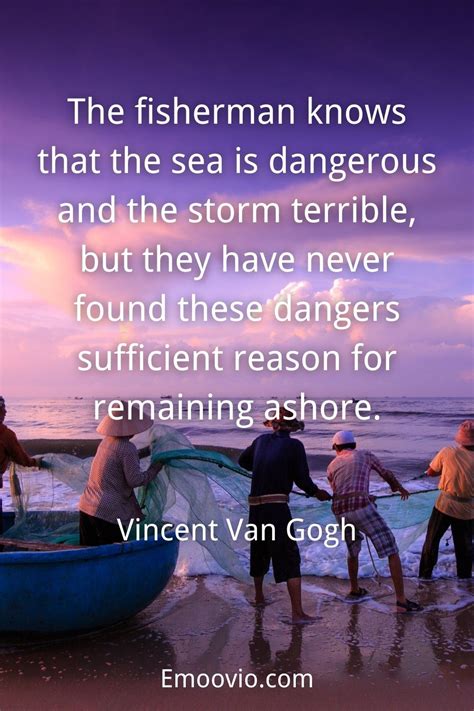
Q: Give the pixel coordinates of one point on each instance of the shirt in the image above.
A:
(349, 477)
(12, 451)
(277, 462)
(115, 472)
(456, 466)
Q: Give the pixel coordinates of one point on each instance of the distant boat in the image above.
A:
(168, 397)
(72, 589)
(355, 401)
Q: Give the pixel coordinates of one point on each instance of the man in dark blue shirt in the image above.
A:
(277, 462)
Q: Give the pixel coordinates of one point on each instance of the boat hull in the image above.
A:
(82, 589)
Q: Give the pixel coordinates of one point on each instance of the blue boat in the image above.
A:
(79, 589)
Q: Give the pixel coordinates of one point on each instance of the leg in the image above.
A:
(354, 545)
(259, 597)
(437, 527)
(87, 532)
(286, 561)
(108, 532)
(353, 568)
(397, 576)
(259, 555)
(462, 537)
(95, 531)
(294, 591)
(370, 522)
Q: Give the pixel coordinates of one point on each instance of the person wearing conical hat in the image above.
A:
(115, 473)
(277, 462)
(454, 507)
(11, 451)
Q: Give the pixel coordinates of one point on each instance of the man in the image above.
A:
(455, 505)
(349, 476)
(11, 451)
(277, 462)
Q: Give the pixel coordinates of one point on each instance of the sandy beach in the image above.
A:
(360, 656)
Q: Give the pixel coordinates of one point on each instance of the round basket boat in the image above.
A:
(82, 588)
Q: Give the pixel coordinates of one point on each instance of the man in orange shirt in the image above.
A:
(11, 451)
(454, 507)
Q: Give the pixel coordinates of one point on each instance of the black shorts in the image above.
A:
(282, 552)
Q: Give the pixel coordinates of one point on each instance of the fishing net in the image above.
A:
(199, 486)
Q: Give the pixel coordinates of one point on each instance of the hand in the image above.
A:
(403, 493)
(155, 468)
(322, 495)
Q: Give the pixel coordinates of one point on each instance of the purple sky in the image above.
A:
(411, 53)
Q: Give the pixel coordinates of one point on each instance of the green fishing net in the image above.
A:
(198, 486)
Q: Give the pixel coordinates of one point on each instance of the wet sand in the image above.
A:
(360, 656)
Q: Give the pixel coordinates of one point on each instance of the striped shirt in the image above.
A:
(349, 477)
(114, 474)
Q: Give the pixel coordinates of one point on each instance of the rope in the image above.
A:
(377, 574)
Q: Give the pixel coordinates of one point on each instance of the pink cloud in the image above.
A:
(43, 261)
(432, 337)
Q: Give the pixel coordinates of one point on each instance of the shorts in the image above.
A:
(369, 521)
(282, 552)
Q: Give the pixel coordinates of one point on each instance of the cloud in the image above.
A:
(42, 276)
(46, 255)
(432, 338)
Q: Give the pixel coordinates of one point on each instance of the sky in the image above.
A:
(258, 52)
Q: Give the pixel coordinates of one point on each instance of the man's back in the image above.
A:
(277, 461)
(349, 476)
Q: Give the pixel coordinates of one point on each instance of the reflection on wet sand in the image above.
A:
(287, 659)
(354, 652)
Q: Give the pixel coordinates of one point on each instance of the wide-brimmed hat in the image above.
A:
(343, 437)
(129, 424)
(285, 421)
(465, 434)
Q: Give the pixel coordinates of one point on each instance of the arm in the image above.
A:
(330, 476)
(389, 477)
(17, 454)
(133, 474)
(436, 465)
(246, 458)
(302, 478)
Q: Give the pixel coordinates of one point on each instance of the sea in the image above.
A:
(406, 436)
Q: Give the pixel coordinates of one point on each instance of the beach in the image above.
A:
(359, 656)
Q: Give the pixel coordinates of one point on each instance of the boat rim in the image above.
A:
(108, 550)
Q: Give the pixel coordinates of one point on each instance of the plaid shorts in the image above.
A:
(368, 520)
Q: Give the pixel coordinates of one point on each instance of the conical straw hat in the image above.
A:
(126, 426)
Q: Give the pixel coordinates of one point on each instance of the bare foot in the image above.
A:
(303, 619)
